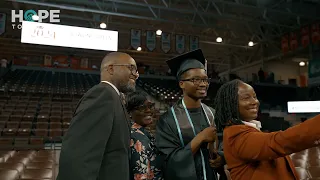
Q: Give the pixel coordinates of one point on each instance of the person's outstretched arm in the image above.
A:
(249, 144)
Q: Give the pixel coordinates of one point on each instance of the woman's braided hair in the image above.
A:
(226, 105)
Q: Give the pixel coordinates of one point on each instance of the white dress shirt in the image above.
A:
(254, 123)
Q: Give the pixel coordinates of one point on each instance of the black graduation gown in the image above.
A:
(179, 162)
(97, 143)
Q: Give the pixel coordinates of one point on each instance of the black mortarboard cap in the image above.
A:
(184, 62)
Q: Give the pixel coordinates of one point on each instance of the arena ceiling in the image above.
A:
(236, 21)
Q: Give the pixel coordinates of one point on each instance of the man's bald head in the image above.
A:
(114, 58)
(121, 70)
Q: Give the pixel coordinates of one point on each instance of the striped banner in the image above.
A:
(151, 40)
(180, 43)
(165, 42)
(2, 23)
(135, 38)
(194, 43)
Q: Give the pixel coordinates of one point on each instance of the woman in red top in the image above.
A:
(251, 154)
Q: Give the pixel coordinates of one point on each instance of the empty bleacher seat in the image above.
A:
(37, 174)
(9, 174)
(6, 143)
(307, 163)
(303, 173)
(12, 166)
(40, 165)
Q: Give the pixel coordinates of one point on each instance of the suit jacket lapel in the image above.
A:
(125, 113)
(128, 123)
(123, 107)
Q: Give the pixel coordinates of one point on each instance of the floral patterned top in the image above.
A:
(145, 164)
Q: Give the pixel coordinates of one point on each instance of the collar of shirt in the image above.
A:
(138, 128)
(253, 123)
(115, 88)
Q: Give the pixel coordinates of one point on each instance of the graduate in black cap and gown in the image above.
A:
(184, 132)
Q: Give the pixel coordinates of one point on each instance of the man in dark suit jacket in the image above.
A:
(97, 143)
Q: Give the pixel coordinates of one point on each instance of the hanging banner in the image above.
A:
(151, 40)
(74, 63)
(84, 63)
(180, 43)
(135, 38)
(165, 42)
(21, 60)
(314, 72)
(61, 61)
(305, 36)
(285, 44)
(293, 41)
(2, 23)
(194, 43)
(315, 33)
(47, 60)
(68, 36)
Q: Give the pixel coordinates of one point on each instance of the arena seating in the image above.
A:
(67, 83)
(37, 106)
(163, 90)
(43, 164)
(49, 82)
(272, 124)
(29, 117)
(168, 91)
(29, 165)
(307, 163)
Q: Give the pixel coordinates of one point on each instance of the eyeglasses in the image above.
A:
(131, 67)
(146, 107)
(197, 81)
